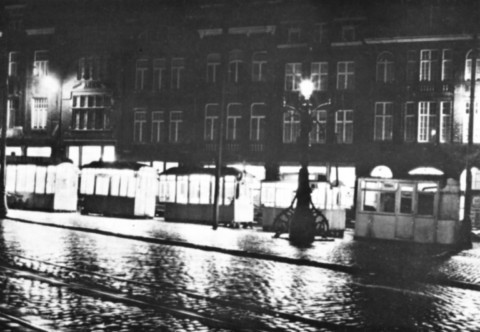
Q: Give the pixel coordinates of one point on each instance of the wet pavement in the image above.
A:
(397, 288)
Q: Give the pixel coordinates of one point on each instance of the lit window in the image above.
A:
(139, 126)
(39, 113)
(445, 121)
(428, 63)
(293, 76)
(468, 66)
(447, 65)
(40, 63)
(211, 122)
(345, 75)
(476, 124)
(344, 126)
(383, 121)
(257, 122)
(12, 107)
(234, 116)
(319, 75)
(90, 112)
(427, 118)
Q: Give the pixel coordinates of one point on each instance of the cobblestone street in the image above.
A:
(213, 274)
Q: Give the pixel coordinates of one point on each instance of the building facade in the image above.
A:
(169, 82)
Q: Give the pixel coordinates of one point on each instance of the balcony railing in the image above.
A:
(257, 147)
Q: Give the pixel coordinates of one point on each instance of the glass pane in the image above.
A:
(132, 184)
(425, 204)
(115, 183)
(370, 200)
(229, 190)
(406, 200)
(387, 202)
(40, 179)
(182, 189)
(101, 185)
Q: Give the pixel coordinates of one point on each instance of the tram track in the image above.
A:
(129, 298)
(25, 325)
(134, 292)
(343, 268)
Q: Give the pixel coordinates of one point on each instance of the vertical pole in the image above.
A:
(219, 159)
(60, 110)
(467, 222)
(3, 144)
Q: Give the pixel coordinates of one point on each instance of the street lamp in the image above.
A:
(302, 225)
(54, 85)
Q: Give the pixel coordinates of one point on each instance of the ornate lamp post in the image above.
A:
(302, 225)
(54, 85)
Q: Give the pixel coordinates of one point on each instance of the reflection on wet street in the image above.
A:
(390, 294)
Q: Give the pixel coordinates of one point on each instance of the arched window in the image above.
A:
(213, 65)
(235, 66)
(385, 68)
(468, 66)
(259, 62)
(381, 171)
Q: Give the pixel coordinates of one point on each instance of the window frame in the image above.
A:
(257, 122)
(293, 76)
(139, 125)
(427, 119)
(385, 66)
(175, 126)
(211, 122)
(39, 113)
(346, 77)
(159, 67)
(177, 72)
(234, 120)
(141, 69)
(384, 119)
(319, 75)
(344, 126)
(291, 127)
(158, 123)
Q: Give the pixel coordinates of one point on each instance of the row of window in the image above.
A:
(89, 112)
(158, 129)
(89, 68)
(422, 122)
(426, 65)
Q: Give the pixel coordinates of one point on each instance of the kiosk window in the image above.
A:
(426, 198)
(425, 204)
(379, 196)
(387, 200)
(406, 200)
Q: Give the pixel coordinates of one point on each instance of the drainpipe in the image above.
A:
(467, 222)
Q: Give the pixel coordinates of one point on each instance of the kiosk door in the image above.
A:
(404, 225)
